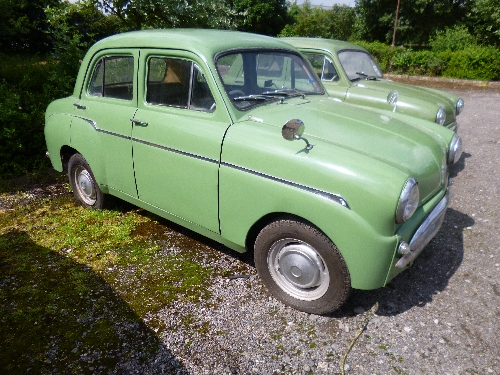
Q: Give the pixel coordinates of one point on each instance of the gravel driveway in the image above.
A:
(439, 317)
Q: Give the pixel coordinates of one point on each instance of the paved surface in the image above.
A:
(439, 317)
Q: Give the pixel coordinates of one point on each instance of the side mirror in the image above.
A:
(293, 130)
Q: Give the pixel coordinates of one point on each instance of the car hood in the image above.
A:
(417, 95)
(417, 150)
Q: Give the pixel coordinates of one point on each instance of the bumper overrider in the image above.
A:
(424, 233)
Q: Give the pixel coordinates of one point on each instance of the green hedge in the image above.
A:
(479, 63)
(27, 86)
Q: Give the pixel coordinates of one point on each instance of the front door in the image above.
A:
(177, 136)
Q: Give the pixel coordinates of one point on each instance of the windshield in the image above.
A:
(359, 65)
(254, 77)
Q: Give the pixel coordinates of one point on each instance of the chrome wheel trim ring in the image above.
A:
(85, 185)
(298, 269)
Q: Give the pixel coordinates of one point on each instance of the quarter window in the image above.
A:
(113, 77)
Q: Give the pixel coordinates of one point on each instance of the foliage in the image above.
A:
(139, 14)
(336, 23)
(452, 39)
(484, 19)
(23, 25)
(474, 63)
(418, 19)
(263, 17)
(23, 99)
(479, 63)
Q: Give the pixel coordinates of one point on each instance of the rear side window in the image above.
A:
(113, 77)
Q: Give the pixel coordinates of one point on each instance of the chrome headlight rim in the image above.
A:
(441, 116)
(455, 150)
(459, 106)
(408, 201)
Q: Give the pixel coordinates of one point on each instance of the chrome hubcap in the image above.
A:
(85, 185)
(298, 269)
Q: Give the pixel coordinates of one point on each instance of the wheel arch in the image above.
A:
(269, 218)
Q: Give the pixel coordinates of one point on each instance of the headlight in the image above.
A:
(459, 106)
(441, 116)
(455, 150)
(408, 201)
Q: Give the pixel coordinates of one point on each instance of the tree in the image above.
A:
(24, 26)
(484, 19)
(138, 14)
(418, 19)
(260, 16)
(336, 23)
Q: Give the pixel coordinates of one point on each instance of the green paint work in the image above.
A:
(222, 170)
(415, 101)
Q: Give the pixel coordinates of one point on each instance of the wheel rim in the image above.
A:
(85, 185)
(298, 269)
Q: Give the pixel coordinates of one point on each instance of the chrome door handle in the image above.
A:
(139, 122)
(79, 106)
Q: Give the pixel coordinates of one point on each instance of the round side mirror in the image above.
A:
(293, 129)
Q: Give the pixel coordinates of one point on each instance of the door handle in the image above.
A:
(79, 106)
(139, 122)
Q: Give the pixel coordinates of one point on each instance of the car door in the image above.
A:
(107, 103)
(177, 136)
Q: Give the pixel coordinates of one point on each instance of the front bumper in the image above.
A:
(425, 232)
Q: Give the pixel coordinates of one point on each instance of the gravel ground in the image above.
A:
(439, 317)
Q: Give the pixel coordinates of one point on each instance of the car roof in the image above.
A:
(204, 42)
(331, 45)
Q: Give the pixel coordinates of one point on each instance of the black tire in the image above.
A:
(83, 183)
(301, 267)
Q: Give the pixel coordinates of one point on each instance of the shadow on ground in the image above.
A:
(59, 317)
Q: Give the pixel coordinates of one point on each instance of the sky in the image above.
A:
(326, 3)
(329, 3)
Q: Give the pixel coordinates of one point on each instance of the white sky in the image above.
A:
(329, 3)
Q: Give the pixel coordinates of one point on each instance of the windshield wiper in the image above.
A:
(288, 93)
(365, 76)
(250, 97)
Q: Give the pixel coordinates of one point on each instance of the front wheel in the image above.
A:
(301, 267)
(83, 183)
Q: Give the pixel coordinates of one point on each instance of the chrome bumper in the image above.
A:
(426, 231)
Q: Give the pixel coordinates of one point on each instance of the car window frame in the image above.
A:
(193, 68)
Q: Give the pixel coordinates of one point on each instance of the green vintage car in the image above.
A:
(350, 73)
(232, 136)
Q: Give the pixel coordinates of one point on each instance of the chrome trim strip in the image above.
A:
(333, 197)
(96, 128)
(426, 232)
(199, 157)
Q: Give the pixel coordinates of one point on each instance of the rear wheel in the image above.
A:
(301, 267)
(83, 183)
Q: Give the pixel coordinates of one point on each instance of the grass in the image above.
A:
(75, 284)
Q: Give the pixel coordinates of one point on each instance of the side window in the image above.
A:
(178, 83)
(323, 67)
(168, 82)
(113, 77)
